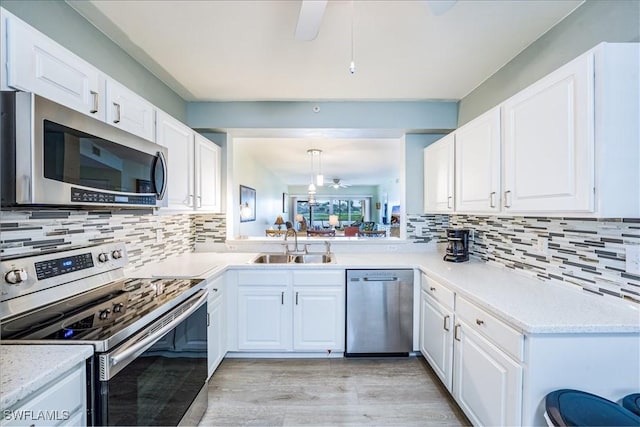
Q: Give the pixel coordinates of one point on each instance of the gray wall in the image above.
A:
(63, 24)
(414, 169)
(424, 116)
(593, 22)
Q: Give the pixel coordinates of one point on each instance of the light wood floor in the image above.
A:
(329, 392)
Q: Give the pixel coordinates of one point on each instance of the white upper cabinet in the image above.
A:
(178, 138)
(128, 111)
(37, 64)
(477, 171)
(571, 141)
(193, 166)
(548, 143)
(207, 174)
(439, 175)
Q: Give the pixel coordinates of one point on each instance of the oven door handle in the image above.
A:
(128, 353)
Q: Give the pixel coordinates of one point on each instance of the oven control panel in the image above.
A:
(38, 276)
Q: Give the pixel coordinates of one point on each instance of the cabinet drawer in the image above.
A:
(262, 277)
(59, 400)
(499, 332)
(315, 277)
(437, 291)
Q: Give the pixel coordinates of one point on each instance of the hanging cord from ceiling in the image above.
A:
(352, 65)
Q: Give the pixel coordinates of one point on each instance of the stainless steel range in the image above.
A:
(149, 335)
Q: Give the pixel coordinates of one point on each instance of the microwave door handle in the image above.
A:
(116, 360)
(160, 183)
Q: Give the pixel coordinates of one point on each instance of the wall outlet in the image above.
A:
(542, 245)
(632, 257)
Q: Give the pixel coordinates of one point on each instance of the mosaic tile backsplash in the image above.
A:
(425, 228)
(148, 236)
(586, 253)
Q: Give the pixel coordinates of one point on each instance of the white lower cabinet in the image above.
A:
(436, 344)
(318, 318)
(216, 325)
(285, 310)
(62, 403)
(264, 317)
(487, 383)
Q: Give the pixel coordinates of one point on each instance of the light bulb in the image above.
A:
(352, 67)
(312, 188)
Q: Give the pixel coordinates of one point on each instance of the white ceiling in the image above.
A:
(246, 51)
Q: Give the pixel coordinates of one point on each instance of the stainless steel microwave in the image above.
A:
(54, 156)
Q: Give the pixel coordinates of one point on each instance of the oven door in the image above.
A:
(158, 377)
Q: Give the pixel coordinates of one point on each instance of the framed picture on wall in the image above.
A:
(285, 202)
(247, 204)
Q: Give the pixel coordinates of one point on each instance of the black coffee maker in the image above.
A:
(458, 245)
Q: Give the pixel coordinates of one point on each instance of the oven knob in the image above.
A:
(14, 277)
(117, 308)
(104, 314)
(117, 254)
(103, 257)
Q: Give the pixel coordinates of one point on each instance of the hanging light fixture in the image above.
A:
(318, 179)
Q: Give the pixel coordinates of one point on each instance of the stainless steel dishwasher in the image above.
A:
(379, 312)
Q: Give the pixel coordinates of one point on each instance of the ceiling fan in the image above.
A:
(337, 183)
(311, 12)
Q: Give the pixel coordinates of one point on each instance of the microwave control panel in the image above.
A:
(88, 196)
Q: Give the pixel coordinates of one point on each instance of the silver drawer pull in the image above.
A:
(117, 119)
(95, 102)
(446, 322)
(479, 322)
(455, 332)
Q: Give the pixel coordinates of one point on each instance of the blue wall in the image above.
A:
(421, 116)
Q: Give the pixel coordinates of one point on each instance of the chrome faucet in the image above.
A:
(290, 229)
(327, 247)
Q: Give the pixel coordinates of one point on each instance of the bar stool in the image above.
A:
(632, 403)
(567, 407)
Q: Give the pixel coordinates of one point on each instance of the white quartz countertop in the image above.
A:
(530, 305)
(27, 368)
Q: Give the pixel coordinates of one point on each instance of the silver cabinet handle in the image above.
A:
(492, 199)
(455, 332)
(282, 298)
(117, 119)
(432, 289)
(448, 202)
(199, 201)
(296, 298)
(479, 322)
(95, 102)
(507, 203)
(208, 320)
(446, 322)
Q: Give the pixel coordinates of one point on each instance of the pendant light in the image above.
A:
(352, 65)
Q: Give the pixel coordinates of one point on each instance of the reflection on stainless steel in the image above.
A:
(379, 312)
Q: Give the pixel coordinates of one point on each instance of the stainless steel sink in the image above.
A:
(314, 259)
(273, 259)
(277, 258)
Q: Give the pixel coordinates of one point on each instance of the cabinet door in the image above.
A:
(549, 142)
(438, 175)
(178, 138)
(487, 383)
(318, 318)
(436, 337)
(207, 174)
(129, 112)
(215, 333)
(478, 164)
(264, 318)
(37, 64)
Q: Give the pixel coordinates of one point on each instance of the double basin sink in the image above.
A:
(279, 258)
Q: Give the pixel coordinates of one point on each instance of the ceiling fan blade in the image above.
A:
(440, 7)
(310, 18)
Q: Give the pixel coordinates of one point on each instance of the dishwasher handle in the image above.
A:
(380, 279)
